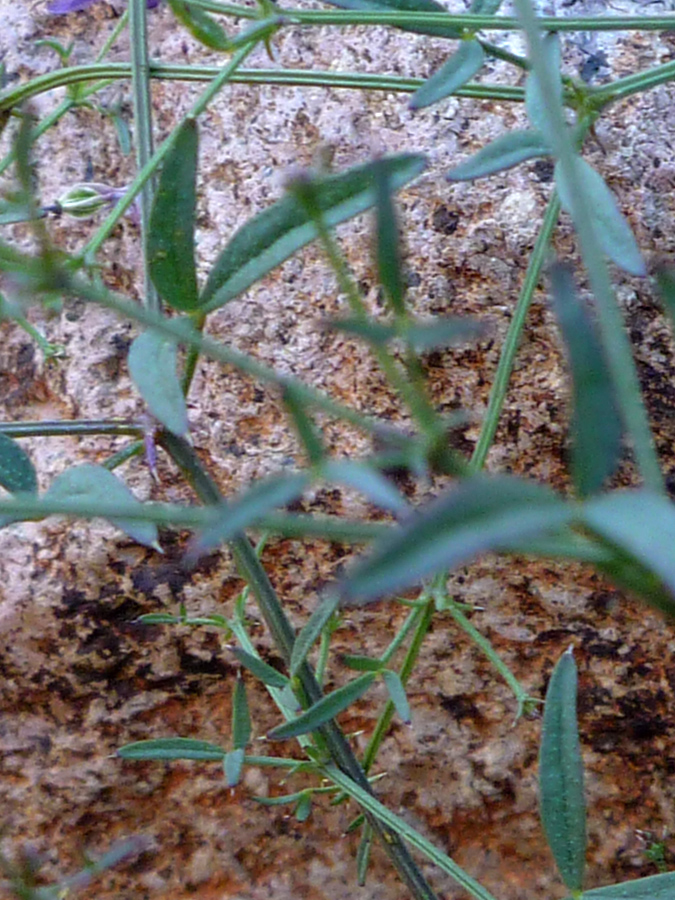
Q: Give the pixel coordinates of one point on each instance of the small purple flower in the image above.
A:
(63, 7)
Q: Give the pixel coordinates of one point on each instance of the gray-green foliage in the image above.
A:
(627, 534)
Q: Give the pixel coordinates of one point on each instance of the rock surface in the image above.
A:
(80, 677)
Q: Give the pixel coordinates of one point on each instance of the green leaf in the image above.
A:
(484, 7)
(275, 234)
(303, 807)
(363, 854)
(361, 663)
(480, 514)
(233, 763)
(656, 887)
(153, 365)
(397, 695)
(368, 481)
(172, 749)
(535, 103)
(246, 509)
(503, 153)
(323, 710)
(561, 775)
(611, 229)
(94, 483)
(171, 237)
(642, 525)
(280, 801)
(447, 31)
(443, 331)
(200, 25)
(241, 718)
(266, 673)
(388, 256)
(304, 425)
(315, 625)
(596, 419)
(452, 75)
(17, 473)
(422, 334)
(665, 279)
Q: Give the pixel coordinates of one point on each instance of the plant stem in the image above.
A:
(177, 331)
(70, 428)
(611, 326)
(370, 804)
(147, 171)
(140, 81)
(511, 342)
(633, 84)
(283, 635)
(420, 618)
(13, 97)
(465, 20)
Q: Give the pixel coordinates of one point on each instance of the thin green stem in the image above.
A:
(399, 826)
(611, 326)
(74, 428)
(283, 635)
(69, 103)
(513, 336)
(13, 97)
(420, 618)
(180, 332)
(192, 356)
(124, 455)
(633, 84)
(464, 21)
(412, 394)
(523, 699)
(221, 78)
(140, 81)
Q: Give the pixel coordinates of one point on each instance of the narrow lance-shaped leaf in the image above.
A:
(642, 525)
(233, 765)
(324, 710)
(304, 425)
(303, 807)
(171, 236)
(368, 481)
(271, 237)
(561, 775)
(361, 663)
(17, 473)
(480, 514)
(153, 365)
(363, 854)
(172, 749)
(245, 510)
(656, 887)
(447, 31)
(453, 74)
(388, 256)
(535, 102)
(596, 420)
(503, 153)
(200, 25)
(315, 625)
(422, 334)
(266, 673)
(611, 229)
(397, 695)
(241, 718)
(94, 483)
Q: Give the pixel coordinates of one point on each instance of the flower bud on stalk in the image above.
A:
(84, 200)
